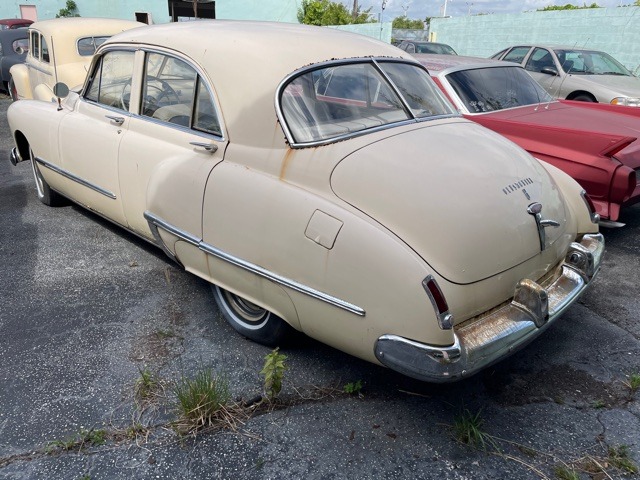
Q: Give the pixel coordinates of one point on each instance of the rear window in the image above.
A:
(490, 89)
(345, 99)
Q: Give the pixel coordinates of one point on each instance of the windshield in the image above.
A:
(340, 100)
(490, 89)
(586, 62)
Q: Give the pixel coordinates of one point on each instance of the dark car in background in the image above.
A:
(412, 46)
(14, 45)
(13, 23)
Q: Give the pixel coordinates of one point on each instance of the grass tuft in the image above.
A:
(201, 400)
(467, 428)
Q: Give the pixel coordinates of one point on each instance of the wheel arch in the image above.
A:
(578, 93)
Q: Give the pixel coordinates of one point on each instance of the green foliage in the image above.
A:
(83, 438)
(634, 378)
(353, 387)
(619, 458)
(563, 472)
(326, 12)
(70, 10)
(273, 373)
(407, 23)
(146, 384)
(467, 428)
(201, 398)
(568, 6)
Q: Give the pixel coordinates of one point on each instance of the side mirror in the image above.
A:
(60, 90)
(549, 71)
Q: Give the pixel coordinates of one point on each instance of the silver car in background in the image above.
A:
(577, 74)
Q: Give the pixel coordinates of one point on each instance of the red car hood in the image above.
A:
(592, 129)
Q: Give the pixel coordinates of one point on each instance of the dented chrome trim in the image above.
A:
(75, 178)
(156, 222)
(486, 339)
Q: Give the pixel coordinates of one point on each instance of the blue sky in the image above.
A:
(419, 9)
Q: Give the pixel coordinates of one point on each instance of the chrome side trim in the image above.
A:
(156, 222)
(491, 337)
(75, 178)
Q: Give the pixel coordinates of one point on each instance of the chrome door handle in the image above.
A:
(116, 120)
(209, 147)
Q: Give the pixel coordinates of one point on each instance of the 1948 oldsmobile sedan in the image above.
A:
(322, 183)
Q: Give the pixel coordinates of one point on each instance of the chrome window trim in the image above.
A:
(156, 222)
(350, 61)
(75, 178)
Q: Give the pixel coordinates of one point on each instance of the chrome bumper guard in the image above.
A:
(496, 335)
(15, 157)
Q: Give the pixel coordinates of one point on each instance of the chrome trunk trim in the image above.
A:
(156, 222)
(488, 338)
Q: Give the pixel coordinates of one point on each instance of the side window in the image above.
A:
(35, 45)
(110, 83)
(168, 90)
(205, 117)
(517, 54)
(45, 50)
(539, 59)
(87, 46)
(173, 92)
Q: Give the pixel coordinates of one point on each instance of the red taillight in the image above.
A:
(595, 218)
(445, 319)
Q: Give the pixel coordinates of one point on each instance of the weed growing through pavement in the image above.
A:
(562, 472)
(273, 373)
(353, 387)
(202, 401)
(467, 428)
(84, 438)
(619, 458)
(147, 384)
(634, 382)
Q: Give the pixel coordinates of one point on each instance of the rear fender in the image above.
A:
(20, 75)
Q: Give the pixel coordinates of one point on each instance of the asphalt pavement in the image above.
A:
(97, 327)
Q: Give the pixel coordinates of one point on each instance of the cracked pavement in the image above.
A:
(85, 307)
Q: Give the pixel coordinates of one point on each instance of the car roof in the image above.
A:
(437, 63)
(76, 27)
(553, 47)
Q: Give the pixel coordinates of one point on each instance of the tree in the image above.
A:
(569, 6)
(326, 12)
(408, 23)
(70, 10)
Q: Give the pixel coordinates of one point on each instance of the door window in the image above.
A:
(110, 83)
(516, 54)
(539, 59)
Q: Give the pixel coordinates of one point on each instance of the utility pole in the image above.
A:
(354, 12)
(444, 9)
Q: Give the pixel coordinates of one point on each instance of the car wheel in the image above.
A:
(583, 98)
(13, 91)
(45, 194)
(250, 320)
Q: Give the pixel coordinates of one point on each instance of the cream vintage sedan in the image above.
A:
(60, 50)
(322, 185)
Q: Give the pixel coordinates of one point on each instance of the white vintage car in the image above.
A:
(60, 50)
(322, 183)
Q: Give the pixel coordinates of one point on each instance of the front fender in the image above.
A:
(20, 75)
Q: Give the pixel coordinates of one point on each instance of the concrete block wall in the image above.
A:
(613, 30)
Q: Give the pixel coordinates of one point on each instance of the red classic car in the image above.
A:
(597, 144)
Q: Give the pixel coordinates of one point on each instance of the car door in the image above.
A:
(174, 140)
(40, 68)
(541, 61)
(90, 136)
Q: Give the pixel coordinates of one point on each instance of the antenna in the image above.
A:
(55, 72)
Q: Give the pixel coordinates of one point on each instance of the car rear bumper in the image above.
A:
(486, 339)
